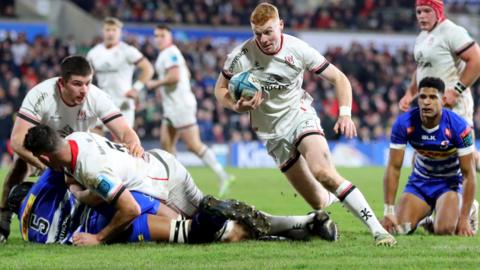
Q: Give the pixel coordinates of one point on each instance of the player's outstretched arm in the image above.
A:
(467, 165)
(344, 123)
(390, 186)
(127, 210)
(120, 128)
(20, 129)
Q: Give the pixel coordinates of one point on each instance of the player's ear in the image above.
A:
(61, 82)
(44, 158)
(444, 99)
(281, 25)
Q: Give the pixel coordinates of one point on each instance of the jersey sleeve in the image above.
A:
(108, 186)
(171, 59)
(134, 56)
(462, 137)
(459, 40)
(90, 55)
(398, 138)
(104, 107)
(33, 106)
(233, 63)
(313, 61)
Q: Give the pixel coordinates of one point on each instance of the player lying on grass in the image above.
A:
(109, 174)
(49, 213)
(444, 162)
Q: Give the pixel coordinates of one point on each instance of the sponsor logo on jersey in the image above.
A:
(236, 58)
(444, 144)
(104, 185)
(422, 62)
(82, 115)
(289, 60)
(55, 117)
(38, 103)
(428, 137)
(467, 137)
(272, 87)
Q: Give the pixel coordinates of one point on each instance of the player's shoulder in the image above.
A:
(96, 95)
(448, 25)
(453, 119)
(243, 48)
(80, 136)
(96, 49)
(406, 119)
(44, 88)
(292, 41)
(448, 29)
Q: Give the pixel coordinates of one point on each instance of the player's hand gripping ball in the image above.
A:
(243, 84)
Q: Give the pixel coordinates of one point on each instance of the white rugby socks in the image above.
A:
(354, 200)
(208, 157)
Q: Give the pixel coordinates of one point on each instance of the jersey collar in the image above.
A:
(74, 149)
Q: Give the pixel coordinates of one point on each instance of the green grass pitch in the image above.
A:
(269, 191)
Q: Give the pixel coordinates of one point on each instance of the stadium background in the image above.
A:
(371, 41)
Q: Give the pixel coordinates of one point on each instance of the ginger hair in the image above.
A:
(263, 13)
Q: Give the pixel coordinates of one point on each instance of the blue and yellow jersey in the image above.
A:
(438, 148)
(51, 214)
(48, 212)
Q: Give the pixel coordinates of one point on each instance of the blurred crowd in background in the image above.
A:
(379, 77)
(391, 15)
(383, 15)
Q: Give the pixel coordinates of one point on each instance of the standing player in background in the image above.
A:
(443, 143)
(282, 114)
(445, 50)
(67, 103)
(180, 106)
(114, 62)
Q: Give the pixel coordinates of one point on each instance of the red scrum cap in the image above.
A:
(436, 5)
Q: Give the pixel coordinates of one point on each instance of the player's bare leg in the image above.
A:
(191, 136)
(168, 137)
(314, 149)
(447, 212)
(17, 174)
(410, 211)
(305, 183)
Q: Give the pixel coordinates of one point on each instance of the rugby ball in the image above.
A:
(243, 84)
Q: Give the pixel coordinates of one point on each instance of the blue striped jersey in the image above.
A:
(49, 213)
(437, 149)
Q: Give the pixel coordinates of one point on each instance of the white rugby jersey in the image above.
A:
(43, 104)
(281, 77)
(107, 168)
(179, 94)
(114, 68)
(437, 52)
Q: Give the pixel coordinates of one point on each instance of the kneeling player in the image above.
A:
(443, 163)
